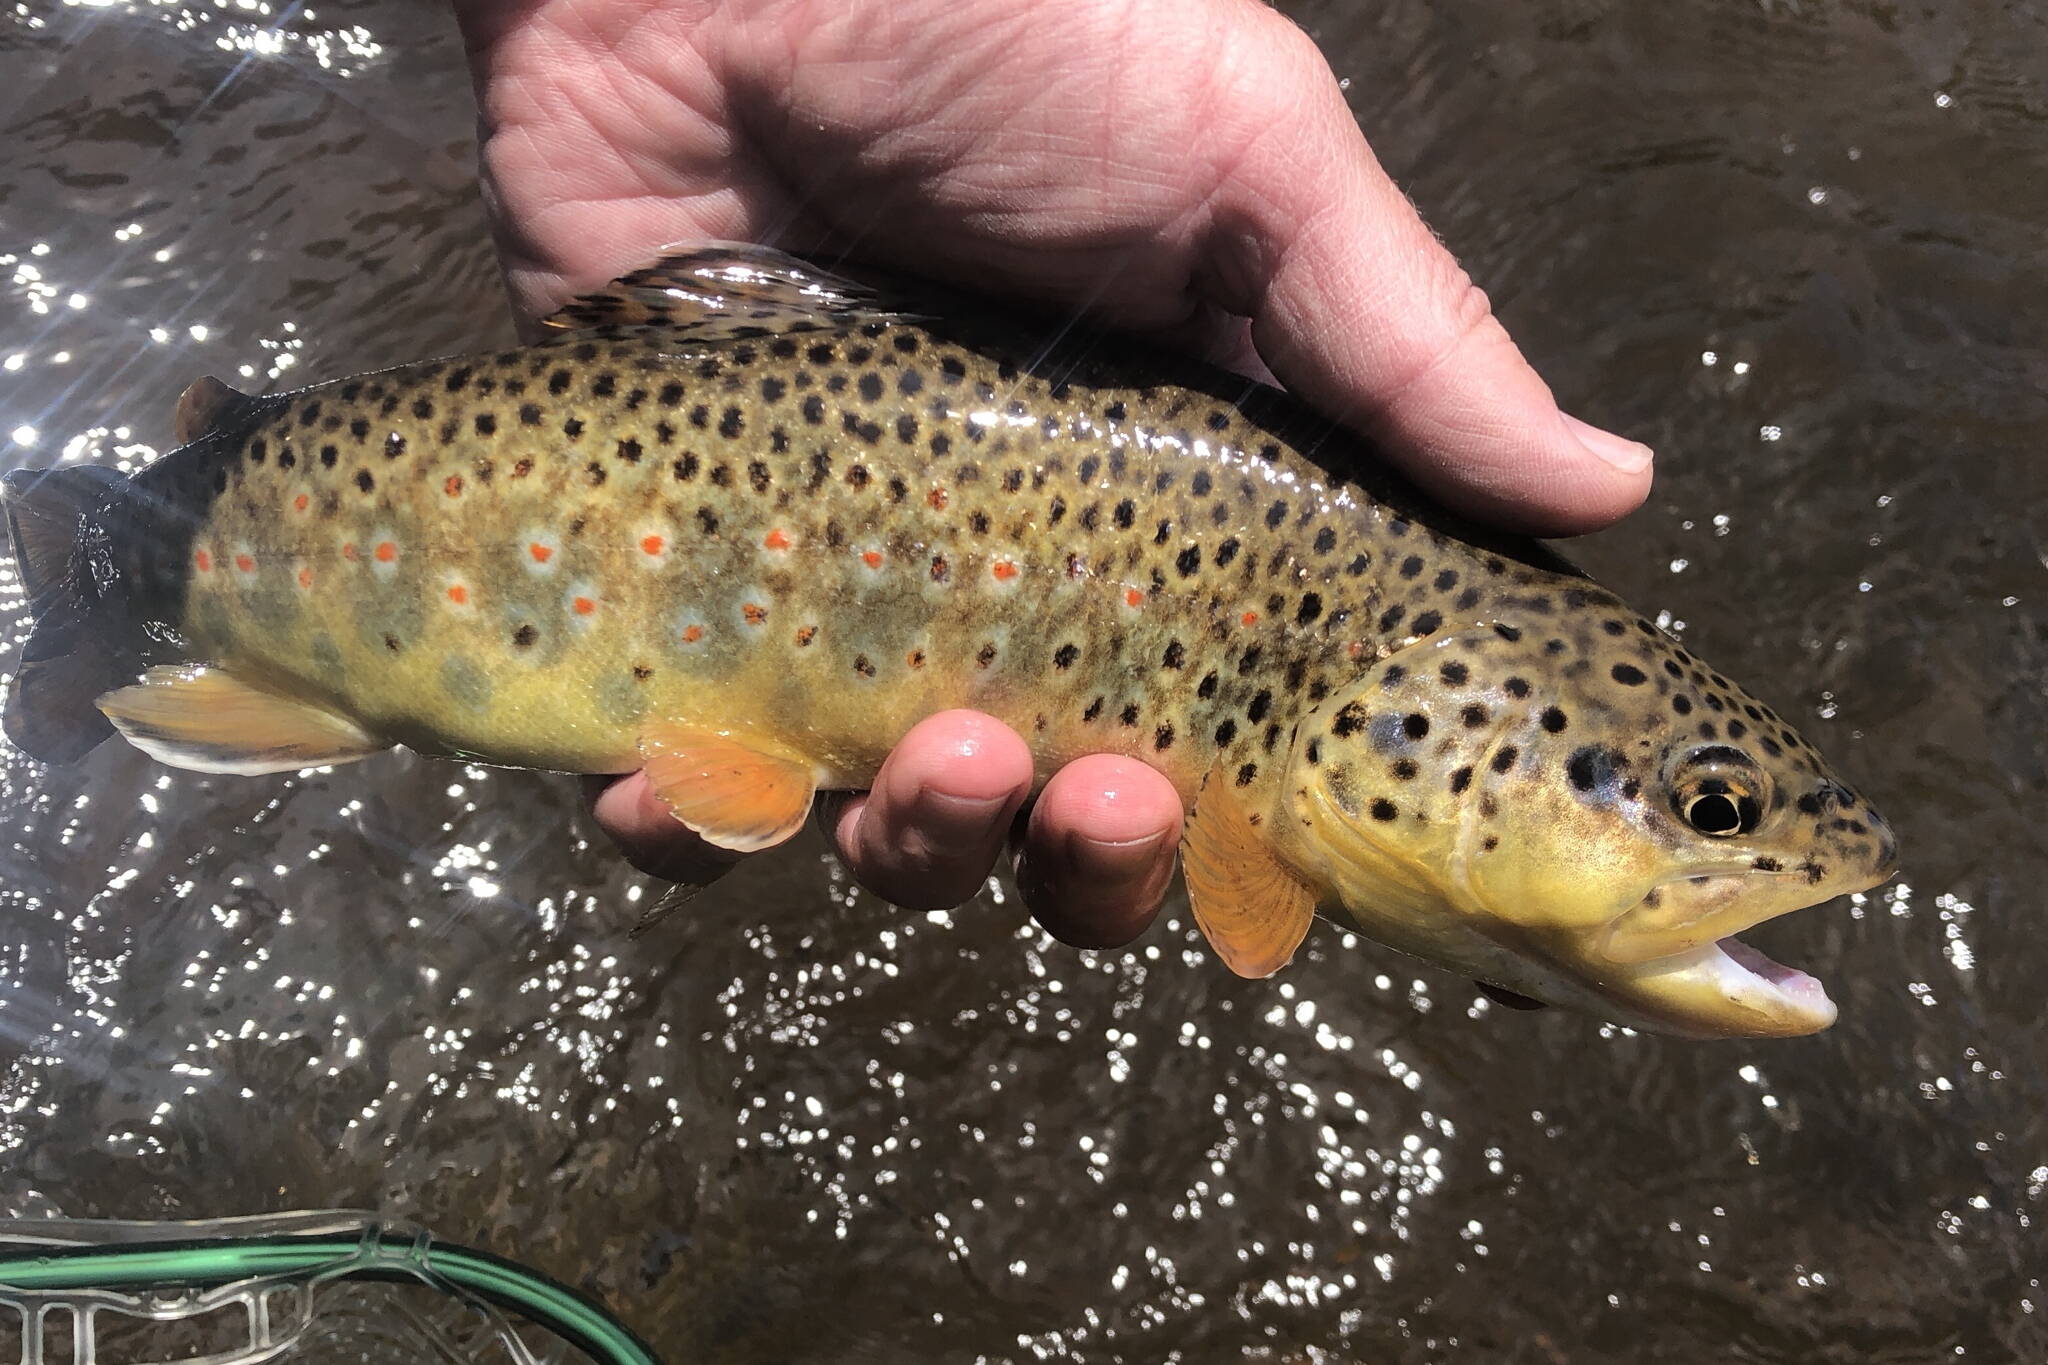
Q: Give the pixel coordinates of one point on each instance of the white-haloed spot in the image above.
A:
(582, 605)
(872, 557)
(242, 559)
(691, 630)
(652, 547)
(540, 552)
(754, 610)
(457, 593)
(382, 551)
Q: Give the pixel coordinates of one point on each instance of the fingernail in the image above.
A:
(1630, 457)
(960, 817)
(1116, 860)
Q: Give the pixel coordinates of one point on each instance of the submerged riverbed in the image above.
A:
(1799, 248)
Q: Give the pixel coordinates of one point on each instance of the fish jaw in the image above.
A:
(1675, 959)
(1664, 961)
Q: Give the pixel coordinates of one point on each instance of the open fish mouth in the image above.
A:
(1682, 965)
(1730, 983)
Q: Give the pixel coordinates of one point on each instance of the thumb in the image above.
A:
(1358, 308)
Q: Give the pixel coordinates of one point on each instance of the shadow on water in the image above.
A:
(1798, 247)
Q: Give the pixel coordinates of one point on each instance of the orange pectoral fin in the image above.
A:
(736, 794)
(1253, 911)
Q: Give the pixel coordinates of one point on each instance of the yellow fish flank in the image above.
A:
(743, 524)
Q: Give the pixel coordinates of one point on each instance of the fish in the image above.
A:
(741, 522)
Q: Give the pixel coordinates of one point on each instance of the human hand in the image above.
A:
(1186, 167)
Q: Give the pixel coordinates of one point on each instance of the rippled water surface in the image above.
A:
(1797, 245)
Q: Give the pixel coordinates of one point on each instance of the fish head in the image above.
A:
(1584, 817)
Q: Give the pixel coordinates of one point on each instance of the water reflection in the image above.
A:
(1798, 251)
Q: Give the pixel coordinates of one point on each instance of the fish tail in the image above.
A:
(77, 649)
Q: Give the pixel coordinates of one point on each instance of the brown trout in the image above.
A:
(743, 523)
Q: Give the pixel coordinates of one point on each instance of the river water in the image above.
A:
(1797, 245)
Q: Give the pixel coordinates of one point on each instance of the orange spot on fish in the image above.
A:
(755, 613)
(204, 561)
(806, 634)
(245, 563)
(1356, 649)
(583, 606)
(692, 634)
(301, 502)
(1250, 618)
(305, 578)
(1004, 570)
(453, 487)
(776, 540)
(915, 658)
(652, 544)
(459, 595)
(1133, 597)
(386, 552)
(541, 553)
(871, 558)
(937, 497)
(348, 551)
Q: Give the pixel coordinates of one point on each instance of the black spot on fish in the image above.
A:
(1590, 767)
(1461, 779)
(1454, 673)
(1426, 623)
(1554, 720)
(1130, 714)
(1064, 656)
(1246, 774)
(1226, 552)
(1311, 607)
(1383, 809)
(1517, 687)
(1187, 562)
(1505, 759)
(1207, 687)
(1628, 675)
(364, 481)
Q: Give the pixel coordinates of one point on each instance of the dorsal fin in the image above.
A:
(726, 292)
(204, 406)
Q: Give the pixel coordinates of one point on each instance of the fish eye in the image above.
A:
(1719, 792)
(1715, 813)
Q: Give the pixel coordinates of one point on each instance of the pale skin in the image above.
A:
(1181, 167)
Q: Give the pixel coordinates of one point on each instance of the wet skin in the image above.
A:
(1034, 157)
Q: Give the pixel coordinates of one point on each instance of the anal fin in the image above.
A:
(208, 720)
(735, 793)
(1253, 911)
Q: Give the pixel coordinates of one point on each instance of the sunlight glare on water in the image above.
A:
(1796, 249)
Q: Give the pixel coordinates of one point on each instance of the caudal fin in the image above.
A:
(75, 651)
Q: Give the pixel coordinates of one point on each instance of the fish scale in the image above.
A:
(745, 524)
